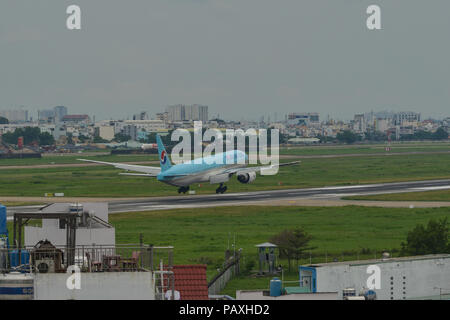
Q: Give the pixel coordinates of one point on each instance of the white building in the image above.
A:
(5, 128)
(421, 277)
(382, 125)
(359, 124)
(105, 132)
(93, 230)
(401, 117)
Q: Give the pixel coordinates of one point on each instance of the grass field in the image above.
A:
(206, 232)
(202, 235)
(439, 195)
(72, 159)
(98, 181)
(297, 150)
(365, 148)
(20, 203)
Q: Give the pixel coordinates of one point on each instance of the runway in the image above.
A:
(261, 197)
(196, 201)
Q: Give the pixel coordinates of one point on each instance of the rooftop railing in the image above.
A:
(96, 258)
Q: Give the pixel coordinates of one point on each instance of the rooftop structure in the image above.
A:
(75, 118)
(92, 225)
(45, 271)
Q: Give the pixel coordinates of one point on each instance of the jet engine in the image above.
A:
(246, 177)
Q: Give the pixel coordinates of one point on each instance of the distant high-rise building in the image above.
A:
(196, 113)
(60, 113)
(19, 115)
(182, 112)
(303, 118)
(141, 116)
(163, 116)
(175, 112)
(131, 131)
(401, 117)
(359, 123)
(46, 115)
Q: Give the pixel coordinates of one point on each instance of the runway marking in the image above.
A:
(351, 187)
(432, 188)
(331, 195)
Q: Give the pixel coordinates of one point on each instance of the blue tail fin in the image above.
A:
(164, 160)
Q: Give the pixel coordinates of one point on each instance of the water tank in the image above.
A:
(370, 295)
(275, 287)
(16, 286)
(348, 292)
(3, 226)
(76, 208)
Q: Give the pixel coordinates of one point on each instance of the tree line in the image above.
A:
(31, 135)
(422, 240)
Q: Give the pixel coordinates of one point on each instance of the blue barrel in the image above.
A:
(14, 258)
(3, 226)
(275, 287)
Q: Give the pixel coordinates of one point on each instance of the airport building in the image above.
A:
(421, 277)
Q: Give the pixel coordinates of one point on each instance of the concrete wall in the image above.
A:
(258, 295)
(400, 279)
(84, 237)
(96, 286)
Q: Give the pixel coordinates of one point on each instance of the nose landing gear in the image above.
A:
(221, 189)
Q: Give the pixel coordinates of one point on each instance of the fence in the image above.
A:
(231, 269)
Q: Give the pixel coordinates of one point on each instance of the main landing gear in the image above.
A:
(221, 188)
(183, 189)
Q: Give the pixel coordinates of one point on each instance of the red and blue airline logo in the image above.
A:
(163, 157)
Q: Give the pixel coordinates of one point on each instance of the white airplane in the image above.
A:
(207, 169)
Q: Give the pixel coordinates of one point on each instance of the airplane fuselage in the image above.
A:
(203, 169)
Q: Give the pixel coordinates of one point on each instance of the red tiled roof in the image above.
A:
(190, 281)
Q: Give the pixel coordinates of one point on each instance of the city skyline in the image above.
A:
(284, 58)
(33, 114)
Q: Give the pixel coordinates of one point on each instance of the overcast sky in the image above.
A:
(242, 58)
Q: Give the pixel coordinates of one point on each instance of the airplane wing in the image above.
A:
(263, 170)
(149, 171)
